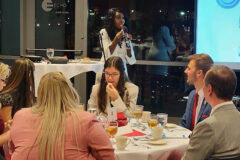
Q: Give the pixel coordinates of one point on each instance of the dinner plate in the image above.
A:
(171, 125)
(158, 142)
(88, 62)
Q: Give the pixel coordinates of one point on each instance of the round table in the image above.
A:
(140, 149)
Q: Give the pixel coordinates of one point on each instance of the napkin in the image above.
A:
(124, 130)
(134, 133)
(122, 120)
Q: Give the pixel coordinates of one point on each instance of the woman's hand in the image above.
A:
(128, 37)
(8, 124)
(119, 35)
(115, 41)
(112, 92)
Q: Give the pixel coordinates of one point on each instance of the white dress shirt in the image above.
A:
(199, 104)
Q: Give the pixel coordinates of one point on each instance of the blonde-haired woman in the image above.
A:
(56, 128)
(4, 73)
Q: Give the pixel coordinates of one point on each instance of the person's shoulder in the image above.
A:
(96, 86)
(85, 116)
(5, 95)
(165, 28)
(86, 119)
(6, 99)
(23, 112)
(130, 85)
(192, 93)
(103, 31)
(209, 122)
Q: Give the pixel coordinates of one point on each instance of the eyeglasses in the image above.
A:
(112, 75)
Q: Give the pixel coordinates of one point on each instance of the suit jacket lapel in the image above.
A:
(203, 106)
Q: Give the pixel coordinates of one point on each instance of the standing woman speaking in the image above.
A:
(115, 38)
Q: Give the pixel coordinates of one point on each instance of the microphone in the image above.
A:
(125, 30)
(101, 45)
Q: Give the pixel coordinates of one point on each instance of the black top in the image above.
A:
(10, 99)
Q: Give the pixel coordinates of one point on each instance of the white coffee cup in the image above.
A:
(146, 116)
(157, 132)
(122, 142)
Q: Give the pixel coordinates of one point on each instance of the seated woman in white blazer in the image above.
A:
(114, 90)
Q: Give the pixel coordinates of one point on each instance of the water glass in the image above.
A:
(50, 52)
(162, 119)
(103, 121)
(92, 109)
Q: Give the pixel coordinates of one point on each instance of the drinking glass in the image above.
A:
(81, 105)
(92, 109)
(103, 121)
(153, 121)
(50, 52)
(137, 113)
(162, 118)
(112, 128)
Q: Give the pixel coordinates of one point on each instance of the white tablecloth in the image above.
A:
(69, 70)
(175, 140)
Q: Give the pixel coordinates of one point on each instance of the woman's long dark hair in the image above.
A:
(109, 22)
(21, 80)
(117, 63)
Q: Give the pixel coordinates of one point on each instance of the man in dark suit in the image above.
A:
(197, 108)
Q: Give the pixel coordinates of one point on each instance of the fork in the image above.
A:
(145, 138)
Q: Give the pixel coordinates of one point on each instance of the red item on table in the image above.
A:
(122, 120)
(134, 133)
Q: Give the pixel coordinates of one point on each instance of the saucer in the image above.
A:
(171, 125)
(158, 142)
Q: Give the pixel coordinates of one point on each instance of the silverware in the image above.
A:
(140, 145)
(145, 138)
(175, 138)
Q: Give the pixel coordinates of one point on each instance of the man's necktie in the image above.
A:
(194, 111)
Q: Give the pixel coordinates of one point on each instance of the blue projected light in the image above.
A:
(218, 30)
(228, 3)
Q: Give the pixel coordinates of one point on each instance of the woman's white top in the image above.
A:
(120, 104)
